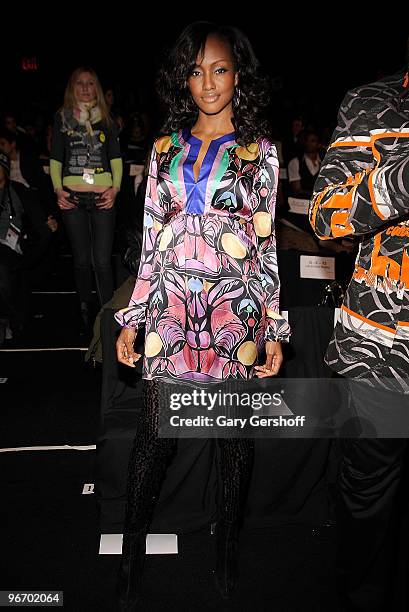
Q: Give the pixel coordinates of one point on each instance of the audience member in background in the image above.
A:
(10, 123)
(294, 229)
(24, 235)
(86, 171)
(136, 139)
(11, 226)
(132, 211)
(45, 148)
(291, 143)
(303, 169)
(36, 191)
(25, 168)
(33, 122)
(113, 109)
(325, 139)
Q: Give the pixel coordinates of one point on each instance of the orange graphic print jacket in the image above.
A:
(363, 190)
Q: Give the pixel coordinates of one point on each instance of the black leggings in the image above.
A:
(151, 455)
(91, 234)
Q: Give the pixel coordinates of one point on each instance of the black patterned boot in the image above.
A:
(128, 588)
(148, 462)
(235, 464)
(226, 574)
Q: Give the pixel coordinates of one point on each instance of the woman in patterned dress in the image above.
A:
(207, 289)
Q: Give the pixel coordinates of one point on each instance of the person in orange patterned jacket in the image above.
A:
(363, 190)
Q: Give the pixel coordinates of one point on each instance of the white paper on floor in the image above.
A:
(161, 544)
(156, 544)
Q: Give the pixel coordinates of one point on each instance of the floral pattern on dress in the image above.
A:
(207, 289)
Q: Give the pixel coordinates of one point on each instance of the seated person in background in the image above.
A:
(24, 232)
(11, 225)
(33, 122)
(46, 145)
(113, 109)
(303, 169)
(10, 122)
(294, 229)
(135, 138)
(291, 141)
(130, 218)
(25, 168)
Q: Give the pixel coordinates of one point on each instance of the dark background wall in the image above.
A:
(312, 63)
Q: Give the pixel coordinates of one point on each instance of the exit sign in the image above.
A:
(29, 63)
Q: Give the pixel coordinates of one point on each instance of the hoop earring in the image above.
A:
(187, 106)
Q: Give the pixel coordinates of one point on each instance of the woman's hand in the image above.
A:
(62, 200)
(273, 361)
(52, 223)
(107, 198)
(124, 347)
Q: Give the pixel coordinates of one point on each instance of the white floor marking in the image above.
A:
(156, 544)
(36, 350)
(47, 448)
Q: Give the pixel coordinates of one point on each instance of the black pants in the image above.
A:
(91, 234)
(369, 477)
(151, 455)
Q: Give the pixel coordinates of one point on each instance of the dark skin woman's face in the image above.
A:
(213, 79)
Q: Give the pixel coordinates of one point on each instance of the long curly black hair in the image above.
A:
(248, 108)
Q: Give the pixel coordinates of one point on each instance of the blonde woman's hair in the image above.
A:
(69, 97)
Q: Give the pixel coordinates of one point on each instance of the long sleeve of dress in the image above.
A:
(264, 197)
(135, 314)
(362, 184)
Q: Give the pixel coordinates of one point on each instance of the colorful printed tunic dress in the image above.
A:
(207, 289)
